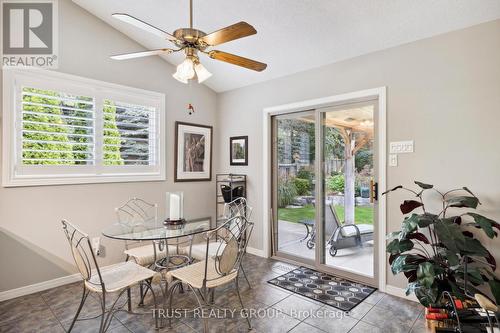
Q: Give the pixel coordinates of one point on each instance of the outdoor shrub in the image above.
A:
(336, 183)
(305, 174)
(302, 186)
(286, 192)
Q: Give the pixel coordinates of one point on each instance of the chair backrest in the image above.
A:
(332, 220)
(136, 211)
(231, 247)
(237, 207)
(82, 253)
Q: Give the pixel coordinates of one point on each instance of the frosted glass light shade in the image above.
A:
(201, 72)
(185, 71)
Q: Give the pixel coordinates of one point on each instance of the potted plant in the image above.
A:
(437, 252)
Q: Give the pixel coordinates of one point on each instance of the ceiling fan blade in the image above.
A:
(227, 34)
(237, 60)
(144, 26)
(126, 56)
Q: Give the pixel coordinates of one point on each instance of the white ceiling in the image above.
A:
(295, 35)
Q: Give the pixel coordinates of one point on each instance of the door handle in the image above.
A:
(373, 191)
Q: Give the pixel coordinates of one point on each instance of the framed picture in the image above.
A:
(238, 150)
(193, 152)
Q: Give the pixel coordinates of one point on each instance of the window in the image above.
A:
(63, 129)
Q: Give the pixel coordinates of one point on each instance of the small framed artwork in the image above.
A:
(193, 152)
(238, 150)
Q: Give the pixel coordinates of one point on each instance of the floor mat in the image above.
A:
(322, 287)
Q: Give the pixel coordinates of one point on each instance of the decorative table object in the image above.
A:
(175, 208)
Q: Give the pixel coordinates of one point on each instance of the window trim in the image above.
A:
(61, 175)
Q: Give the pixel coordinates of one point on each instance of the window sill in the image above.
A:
(21, 181)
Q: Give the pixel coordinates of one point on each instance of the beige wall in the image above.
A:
(442, 92)
(32, 245)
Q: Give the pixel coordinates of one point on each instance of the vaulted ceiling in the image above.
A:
(295, 35)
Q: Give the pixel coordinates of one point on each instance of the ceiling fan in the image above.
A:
(193, 41)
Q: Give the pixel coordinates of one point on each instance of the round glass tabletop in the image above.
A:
(154, 229)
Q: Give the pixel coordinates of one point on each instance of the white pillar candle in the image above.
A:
(174, 206)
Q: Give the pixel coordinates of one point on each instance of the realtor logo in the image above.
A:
(29, 33)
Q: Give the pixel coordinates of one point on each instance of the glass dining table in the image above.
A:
(155, 230)
(159, 234)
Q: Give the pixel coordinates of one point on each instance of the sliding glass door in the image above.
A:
(348, 186)
(324, 189)
(294, 184)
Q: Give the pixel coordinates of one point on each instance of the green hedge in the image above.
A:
(302, 185)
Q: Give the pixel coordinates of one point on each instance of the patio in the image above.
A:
(356, 259)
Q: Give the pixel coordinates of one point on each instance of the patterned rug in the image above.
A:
(337, 292)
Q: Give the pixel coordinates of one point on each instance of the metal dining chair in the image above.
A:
(237, 207)
(204, 276)
(157, 255)
(111, 279)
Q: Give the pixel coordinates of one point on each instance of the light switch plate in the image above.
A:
(401, 147)
(393, 160)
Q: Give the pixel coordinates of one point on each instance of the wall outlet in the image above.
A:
(393, 160)
(401, 147)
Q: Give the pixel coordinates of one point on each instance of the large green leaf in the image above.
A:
(453, 219)
(427, 296)
(426, 219)
(450, 235)
(423, 185)
(393, 189)
(408, 226)
(485, 223)
(495, 289)
(393, 235)
(463, 201)
(409, 205)
(473, 247)
(397, 246)
(420, 237)
(406, 262)
(473, 275)
(452, 258)
(411, 287)
(425, 274)
(470, 192)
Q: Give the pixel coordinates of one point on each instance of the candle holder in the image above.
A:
(175, 208)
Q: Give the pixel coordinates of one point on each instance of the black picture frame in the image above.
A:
(178, 174)
(238, 160)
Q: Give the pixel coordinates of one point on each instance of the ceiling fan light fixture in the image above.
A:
(185, 71)
(201, 72)
(179, 78)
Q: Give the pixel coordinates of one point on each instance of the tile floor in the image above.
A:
(275, 309)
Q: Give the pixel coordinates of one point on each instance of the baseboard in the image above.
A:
(49, 284)
(41, 286)
(256, 252)
(400, 292)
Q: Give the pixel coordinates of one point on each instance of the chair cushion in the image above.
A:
(119, 276)
(350, 231)
(144, 255)
(198, 250)
(194, 274)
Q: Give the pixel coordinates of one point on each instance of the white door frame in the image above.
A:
(380, 94)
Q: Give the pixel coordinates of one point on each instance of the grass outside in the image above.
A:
(362, 215)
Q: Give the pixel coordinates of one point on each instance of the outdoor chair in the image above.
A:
(342, 235)
(203, 277)
(111, 279)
